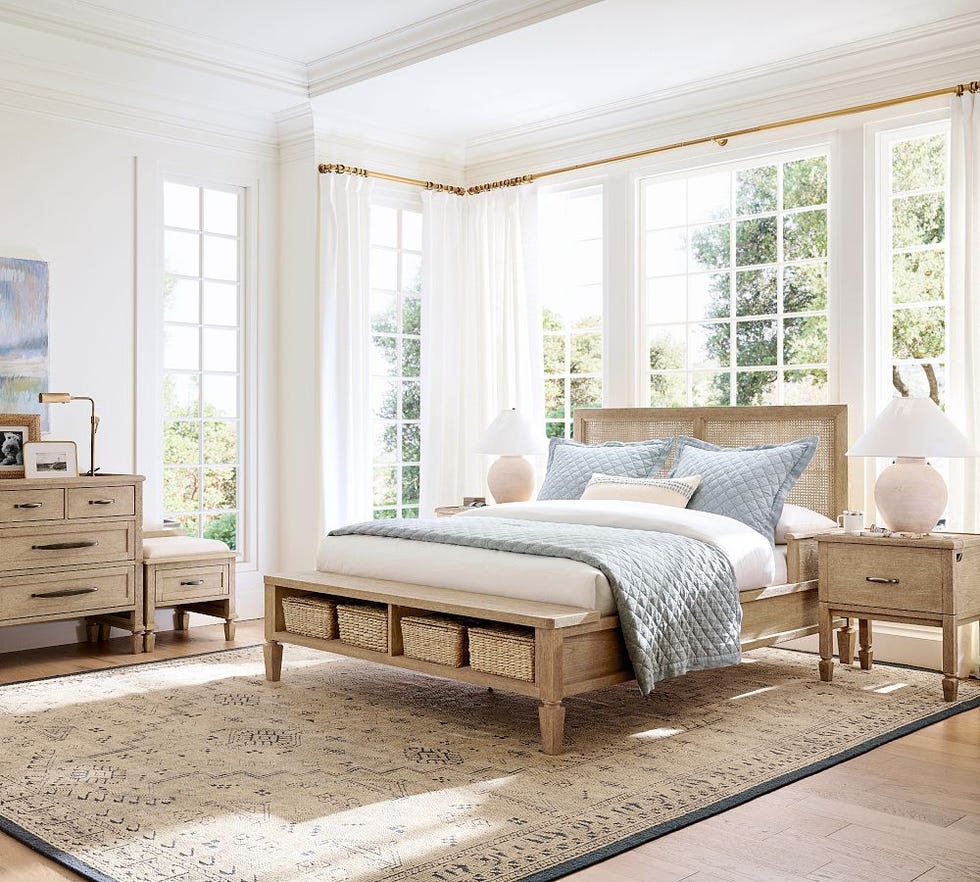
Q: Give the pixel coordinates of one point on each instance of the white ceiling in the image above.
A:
(464, 75)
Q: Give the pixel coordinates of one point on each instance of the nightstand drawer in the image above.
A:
(28, 547)
(191, 583)
(64, 594)
(101, 502)
(891, 577)
(24, 506)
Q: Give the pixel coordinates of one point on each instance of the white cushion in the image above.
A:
(675, 492)
(181, 546)
(796, 519)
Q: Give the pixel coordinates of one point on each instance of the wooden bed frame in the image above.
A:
(578, 650)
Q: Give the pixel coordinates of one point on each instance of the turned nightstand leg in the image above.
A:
(950, 652)
(149, 641)
(864, 635)
(182, 620)
(230, 630)
(845, 643)
(826, 621)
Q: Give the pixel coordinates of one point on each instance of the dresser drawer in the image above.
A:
(890, 577)
(41, 546)
(65, 594)
(25, 506)
(191, 583)
(101, 502)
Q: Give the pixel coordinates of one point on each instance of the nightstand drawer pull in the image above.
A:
(193, 582)
(66, 546)
(102, 502)
(28, 505)
(66, 592)
(880, 580)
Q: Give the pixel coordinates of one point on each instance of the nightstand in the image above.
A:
(933, 581)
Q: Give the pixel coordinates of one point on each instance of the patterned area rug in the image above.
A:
(198, 770)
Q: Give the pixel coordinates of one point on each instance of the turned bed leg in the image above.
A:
(551, 716)
(273, 661)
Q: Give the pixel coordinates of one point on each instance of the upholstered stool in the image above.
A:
(187, 575)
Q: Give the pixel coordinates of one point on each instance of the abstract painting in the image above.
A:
(23, 334)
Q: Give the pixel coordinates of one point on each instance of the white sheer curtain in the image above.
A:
(344, 370)
(481, 327)
(964, 362)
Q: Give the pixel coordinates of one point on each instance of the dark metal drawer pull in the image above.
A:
(102, 502)
(28, 505)
(880, 580)
(66, 546)
(193, 582)
(66, 592)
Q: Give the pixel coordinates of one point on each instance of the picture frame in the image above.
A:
(16, 431)
(51, 459)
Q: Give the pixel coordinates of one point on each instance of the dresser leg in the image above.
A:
(230, 630)
(273, 661)
(149, 641)
(845, 643)
(137, 642)
(104, 631)
(182, 620)
(866, 655)
(92, 631)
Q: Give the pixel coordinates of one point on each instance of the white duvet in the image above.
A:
(547, 579)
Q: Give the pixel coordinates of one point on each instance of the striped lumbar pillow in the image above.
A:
(663, 491)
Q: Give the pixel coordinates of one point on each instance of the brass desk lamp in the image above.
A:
(64, 398)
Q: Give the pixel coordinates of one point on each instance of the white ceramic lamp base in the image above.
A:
(511, 479)
(911, 495)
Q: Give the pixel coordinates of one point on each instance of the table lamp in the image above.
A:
(510, 436)
(910, 494)
(64, 398)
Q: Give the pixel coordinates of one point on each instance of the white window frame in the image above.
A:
(150, 177)
(748, 157)
(569, 190)
(401, 199)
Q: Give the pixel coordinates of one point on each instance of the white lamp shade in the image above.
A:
(912, 427)
(510, 434)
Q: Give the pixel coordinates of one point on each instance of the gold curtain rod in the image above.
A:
(721, 140)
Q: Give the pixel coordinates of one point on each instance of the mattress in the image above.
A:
(548, 579)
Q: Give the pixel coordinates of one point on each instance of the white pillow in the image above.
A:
(676, 492)
(796, 519)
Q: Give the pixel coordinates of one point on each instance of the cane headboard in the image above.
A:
(822, 487)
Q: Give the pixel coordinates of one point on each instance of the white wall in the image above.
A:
(75, 195)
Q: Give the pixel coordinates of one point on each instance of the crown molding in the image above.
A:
(471, 23)
(297, 134)
(223, 134)
(87, 22)
(910, 62)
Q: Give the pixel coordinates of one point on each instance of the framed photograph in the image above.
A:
(16, 431)
(50, 459)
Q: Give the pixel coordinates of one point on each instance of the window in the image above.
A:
(736, 284)
(914, 266)
(396, 354)
(202, 378)
(571, 263)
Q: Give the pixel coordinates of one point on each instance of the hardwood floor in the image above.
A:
(907, 811)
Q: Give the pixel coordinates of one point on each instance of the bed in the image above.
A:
(578, 645)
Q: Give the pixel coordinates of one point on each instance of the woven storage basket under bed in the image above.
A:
(311, 616)
(364, 625)
(503, 650)
(435, 639)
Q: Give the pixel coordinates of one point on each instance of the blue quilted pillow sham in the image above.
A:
(749, 484)
(571, 464)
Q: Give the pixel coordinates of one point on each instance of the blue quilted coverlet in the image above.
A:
(677, 597)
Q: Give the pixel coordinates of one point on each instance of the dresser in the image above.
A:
(72, 548)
